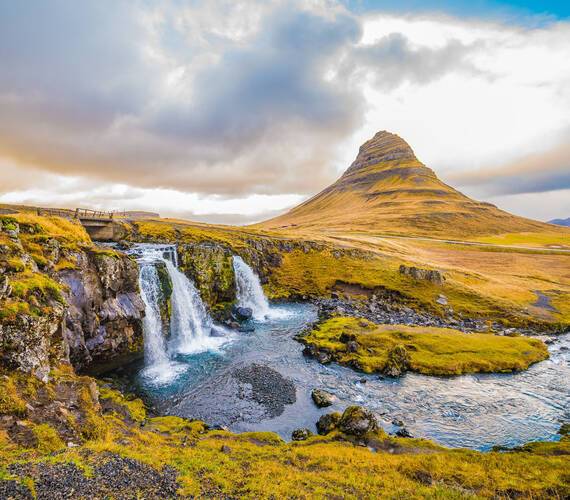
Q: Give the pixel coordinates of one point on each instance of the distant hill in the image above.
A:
(388, 190)
(560, 222)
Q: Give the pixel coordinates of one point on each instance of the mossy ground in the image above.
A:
(432, 351)
(260, 465)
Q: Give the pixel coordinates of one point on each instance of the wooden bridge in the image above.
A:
(99, 224)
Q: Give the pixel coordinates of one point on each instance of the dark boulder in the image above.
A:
(328, 423)
(347, 337)
(352, 346)
(404, 433)
(301, 434)
(322, 398)
(242, 313)
(324, 357)
(357, 421)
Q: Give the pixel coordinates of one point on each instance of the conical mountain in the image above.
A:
(388, 190)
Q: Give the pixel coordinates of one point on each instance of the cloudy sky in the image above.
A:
(230, 111)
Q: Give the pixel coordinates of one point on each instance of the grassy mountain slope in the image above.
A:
(388, 190)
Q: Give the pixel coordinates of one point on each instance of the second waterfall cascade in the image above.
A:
(249, 291)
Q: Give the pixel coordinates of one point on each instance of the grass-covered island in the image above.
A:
(395, 349)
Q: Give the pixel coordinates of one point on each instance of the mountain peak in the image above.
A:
(387, 189)
(383, 147)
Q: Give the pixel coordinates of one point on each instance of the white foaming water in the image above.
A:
(190, 323)
(249, 291)
(154, 343)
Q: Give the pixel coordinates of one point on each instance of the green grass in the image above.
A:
(557, 238)
(432, 351)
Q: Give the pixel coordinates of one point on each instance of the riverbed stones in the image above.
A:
(358, 421)
(322, 398)
(328, 423)
(267, 387)
(301, 434)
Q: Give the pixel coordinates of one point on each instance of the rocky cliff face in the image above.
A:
(62, 299)
(209, 265)
(102, 323)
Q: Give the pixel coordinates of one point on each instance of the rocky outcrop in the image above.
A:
(209, 265)
(33, 344)
(103, 319)
(358, 421)
(301, 434)
(431, 275)
(354, 421)
(63, 299)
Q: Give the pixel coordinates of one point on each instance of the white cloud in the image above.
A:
(254, 104)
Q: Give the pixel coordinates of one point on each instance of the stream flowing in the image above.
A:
(205, 379)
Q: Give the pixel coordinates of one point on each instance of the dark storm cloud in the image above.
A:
(129, 92)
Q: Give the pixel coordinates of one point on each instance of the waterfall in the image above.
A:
(249, 291)
(190, 323)
(154, 343)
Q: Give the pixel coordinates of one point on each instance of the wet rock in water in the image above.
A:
(404, 433)
(301, 434)
(217, 332)
(357, 421)
(397, 422)
(246, 329)
(324, 357)
(328, 423)
(322, 398)
(242, 313)
(398, 361)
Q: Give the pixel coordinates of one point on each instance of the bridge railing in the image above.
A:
(86, 213)
(78, 213)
